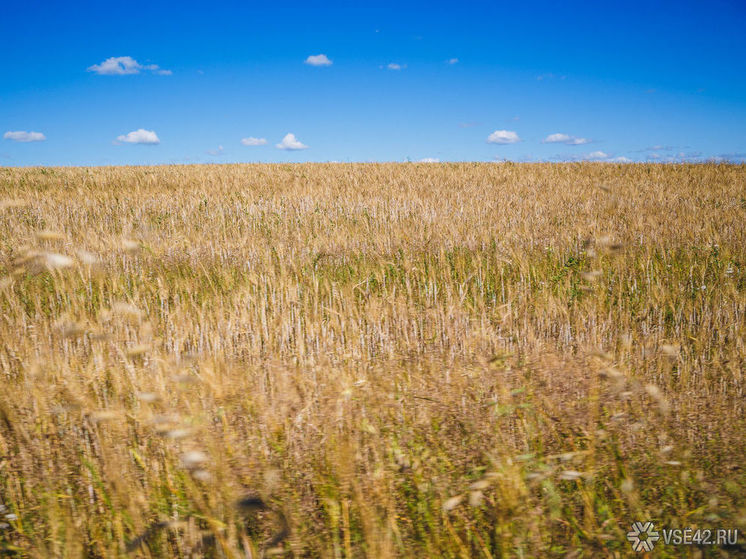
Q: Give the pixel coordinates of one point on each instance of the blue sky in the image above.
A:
(467, 81)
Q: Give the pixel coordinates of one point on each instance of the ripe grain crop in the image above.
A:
(370, 360)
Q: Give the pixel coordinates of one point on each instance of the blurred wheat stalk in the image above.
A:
(454, 360)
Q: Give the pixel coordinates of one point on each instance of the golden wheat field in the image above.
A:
(370, 360)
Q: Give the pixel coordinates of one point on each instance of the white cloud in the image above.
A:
(503, 137)
(23, 136)
(395, 66)
(621, 159)
(290, 142)
(318, 60)
(565, 139)
(139, 136)
(218, 151)
(452, 61)
(555, 138)
(597, 155)
(125, 65)
(251, 141)
(429, 160)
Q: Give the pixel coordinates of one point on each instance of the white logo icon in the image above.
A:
(643, 536)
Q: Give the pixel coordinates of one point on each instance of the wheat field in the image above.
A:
(370, 360)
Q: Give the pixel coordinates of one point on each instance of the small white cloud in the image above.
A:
(125, 65)
(251, 141)
(503, 137)
(429, 160)
(290, 142)
(140, 136)
(395, 66)
(23, 136)
(597, 155)
(318, 60)
(218, 151)
(116, 65)
(565, 139)
(452, 61)
(621, 159)
(556, 138)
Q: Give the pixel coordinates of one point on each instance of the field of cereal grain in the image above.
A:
(370, 360)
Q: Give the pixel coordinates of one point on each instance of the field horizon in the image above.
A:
(371, 359)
